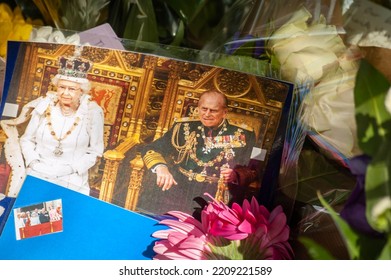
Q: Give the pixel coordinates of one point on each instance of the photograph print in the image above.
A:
(145, 132)
(38, 219)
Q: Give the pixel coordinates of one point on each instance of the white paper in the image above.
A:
(368, 24)
(258, 154)
(10, 110)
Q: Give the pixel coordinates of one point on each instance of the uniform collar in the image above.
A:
(217, 127)
(215, 130)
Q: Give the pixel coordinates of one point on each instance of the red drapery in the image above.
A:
(41, 229)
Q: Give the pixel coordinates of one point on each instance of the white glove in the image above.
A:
(60, 170)
(49, 171)
(42, 169)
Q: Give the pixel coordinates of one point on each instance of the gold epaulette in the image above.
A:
(152, 158)
(186, 119)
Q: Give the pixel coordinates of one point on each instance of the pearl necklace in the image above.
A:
(67, 111)
(58, 151)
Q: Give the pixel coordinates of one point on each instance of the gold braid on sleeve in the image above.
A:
(152, 158)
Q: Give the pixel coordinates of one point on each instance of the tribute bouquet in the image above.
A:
(344, 112)
(365, 221)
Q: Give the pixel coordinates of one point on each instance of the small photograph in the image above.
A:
(38, 219)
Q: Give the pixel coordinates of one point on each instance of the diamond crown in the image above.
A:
(74, 67)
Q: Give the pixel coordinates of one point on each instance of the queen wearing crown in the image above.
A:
(64, 135)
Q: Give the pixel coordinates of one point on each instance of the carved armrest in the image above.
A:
(113, 159)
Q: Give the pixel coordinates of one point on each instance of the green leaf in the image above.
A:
(350, 237)
(187, 10)
(318, 174)
(200, 17)
(141, 24)
(359, 246)
(371, 114)
(118, 15)
(316, 251)
(386, 252)
(179, 35)
(245, 64)
(378, 187)
(374, 134)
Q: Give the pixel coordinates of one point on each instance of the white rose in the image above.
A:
(318, 54)
(304, 50)
(50, 35)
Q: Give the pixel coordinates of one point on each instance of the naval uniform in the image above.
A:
(195, 155)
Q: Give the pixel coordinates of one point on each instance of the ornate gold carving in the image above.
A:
(168, 106)
(232, 83)
(96, 55)
(194, 75)
(113, 159)
(141, 97)
(126, 145)
(113, 61)
(131, 59)
(136, 177)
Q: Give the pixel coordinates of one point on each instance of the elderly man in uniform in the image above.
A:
(197, 156)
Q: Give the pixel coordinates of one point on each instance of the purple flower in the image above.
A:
(355, 207)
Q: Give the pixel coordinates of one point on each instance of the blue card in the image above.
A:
(91, 229)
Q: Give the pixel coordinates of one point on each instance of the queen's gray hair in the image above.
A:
(85, 84)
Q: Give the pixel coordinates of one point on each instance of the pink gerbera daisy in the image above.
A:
(247, 232)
